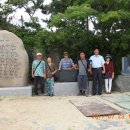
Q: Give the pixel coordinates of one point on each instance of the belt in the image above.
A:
(97, 68)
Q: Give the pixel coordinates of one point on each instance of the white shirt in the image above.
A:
(97, 61)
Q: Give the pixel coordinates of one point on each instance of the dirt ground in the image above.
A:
(46, 113)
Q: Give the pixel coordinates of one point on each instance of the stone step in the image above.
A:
(69, 88)
(16, 91)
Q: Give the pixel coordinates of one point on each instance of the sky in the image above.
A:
(21, 12)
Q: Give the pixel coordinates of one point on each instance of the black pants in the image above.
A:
(41, 81)
(97, 77)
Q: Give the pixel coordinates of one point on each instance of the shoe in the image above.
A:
(52, 95)
(80, 93)
(84, 94)
(107, 92)
(48, 95)
(42, 92)
(94, 94)
(36, 94)
(99, 93)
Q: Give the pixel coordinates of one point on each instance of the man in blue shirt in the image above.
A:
(38, 73)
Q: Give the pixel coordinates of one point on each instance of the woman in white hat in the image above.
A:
(109, 73)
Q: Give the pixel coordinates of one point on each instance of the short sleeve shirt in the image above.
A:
(97, 61)
(66, 63)
(49, 70)
(82, 67)
(40, 69)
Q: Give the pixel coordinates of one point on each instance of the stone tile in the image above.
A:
(125, 105)
(94, 107)
(117, 98)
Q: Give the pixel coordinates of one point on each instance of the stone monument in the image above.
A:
(122, 83)
(126, 66)
(14, 63)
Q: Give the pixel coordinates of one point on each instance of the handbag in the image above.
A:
(106, 76)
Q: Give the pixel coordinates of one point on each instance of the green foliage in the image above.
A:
(116, 16)
(72, 20)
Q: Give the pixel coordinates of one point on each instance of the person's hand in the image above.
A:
(32, 75)
(44, 76)
(103, 72)
(52, 73)
(90, 71)
(112, 77)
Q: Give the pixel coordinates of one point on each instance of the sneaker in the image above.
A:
(84, 94)
(80, 93)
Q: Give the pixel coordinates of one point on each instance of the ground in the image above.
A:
(57, 113)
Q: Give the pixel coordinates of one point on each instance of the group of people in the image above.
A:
(44, 73)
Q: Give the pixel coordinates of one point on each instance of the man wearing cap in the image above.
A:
(38, 73)
(66, 63)
(97, 68)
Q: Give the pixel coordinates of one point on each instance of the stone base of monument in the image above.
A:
(16, 91)
(69, 89)
(122, 84)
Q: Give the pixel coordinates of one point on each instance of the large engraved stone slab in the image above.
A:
(14, 61)
(126, 66)
(122, 83)
(93, 107)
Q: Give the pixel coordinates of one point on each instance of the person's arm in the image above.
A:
(60, 64)
(113, 74)
(33, 70)
(55, 69)
(103, 66)
(44, 71)
(90, 66)
(32, 73)
(72, 63)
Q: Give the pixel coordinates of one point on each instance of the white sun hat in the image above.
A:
(39, 54)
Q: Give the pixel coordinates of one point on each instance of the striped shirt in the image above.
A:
(66, 63)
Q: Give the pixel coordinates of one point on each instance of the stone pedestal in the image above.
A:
(16, 91)
(69, 89)
(122, 83)
(126, 66)
(68, 75)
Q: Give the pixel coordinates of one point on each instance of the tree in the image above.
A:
(71, 20)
